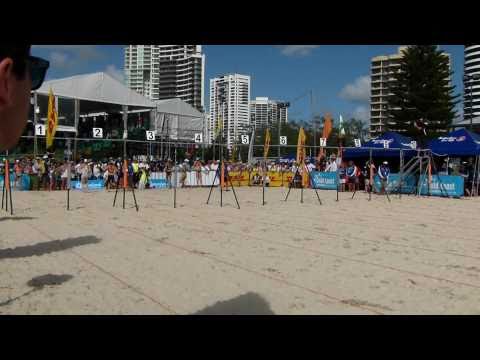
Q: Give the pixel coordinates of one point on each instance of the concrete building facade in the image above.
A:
(267, 112)
(167, 71)
(471, 99)
(230, 104)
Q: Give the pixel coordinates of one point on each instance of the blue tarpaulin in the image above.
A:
(457, 143)
(396, 142)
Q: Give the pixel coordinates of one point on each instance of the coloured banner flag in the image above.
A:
(267, 143)
(301, 153)
(341, 128)
(52, 119)
(218, 127)
(327, 130)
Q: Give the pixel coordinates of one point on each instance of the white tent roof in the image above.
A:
(178, 107)
(99, 87)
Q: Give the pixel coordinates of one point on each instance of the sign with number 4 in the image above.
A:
(245, 140)
(283, 140)
(198, 138)
(323, 142)
(40, 130)
(150, 135)
(98, 133)
(357, 142)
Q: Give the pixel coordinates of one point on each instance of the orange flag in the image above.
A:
(125, 174)
(6, 177)
(52, 120)
(301, 154)
(327, 130)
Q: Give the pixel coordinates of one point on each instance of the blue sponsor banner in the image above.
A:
(92, 185)
(12, 179)
(442, 185)
(158, 183)
(408, 183)
(324, 180)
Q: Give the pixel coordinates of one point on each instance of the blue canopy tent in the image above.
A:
(396, 142)
(457, 143)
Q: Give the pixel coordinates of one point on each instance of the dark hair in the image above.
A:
(18, 53)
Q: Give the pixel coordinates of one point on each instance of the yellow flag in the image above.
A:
(267, 143)
(218, 126)
(301, 154)
(52, 120)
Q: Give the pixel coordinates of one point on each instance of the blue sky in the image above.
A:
(337, 74)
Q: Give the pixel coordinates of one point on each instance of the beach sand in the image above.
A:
(414, 255)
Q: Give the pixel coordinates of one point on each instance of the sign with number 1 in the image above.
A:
(40, 130)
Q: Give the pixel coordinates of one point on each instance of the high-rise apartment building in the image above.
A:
(382, 73)
(471, 99)
(167, 71)
(266, 112)
(382, 78)
(230, 104)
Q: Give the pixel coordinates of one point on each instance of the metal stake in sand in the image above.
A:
(175, 181)
(305, 168)
(125, 165)
(220, 174)
(69, 166)
(7, 188)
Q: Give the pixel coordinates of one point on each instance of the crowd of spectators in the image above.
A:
(47, 173)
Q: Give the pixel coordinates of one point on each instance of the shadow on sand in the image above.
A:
(246, 304)
(37, 283)
(47, 247)
(16, 218)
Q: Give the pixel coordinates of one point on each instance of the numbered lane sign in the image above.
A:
(283, 140)
(357, 142)
(413, 144)
(40, 130)
(98, 133)
(386, 144)
(198, 138)
(245, 140)
(125, 134)
(150, 135)
(323, 142)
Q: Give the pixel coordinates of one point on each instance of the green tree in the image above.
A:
(422, 90)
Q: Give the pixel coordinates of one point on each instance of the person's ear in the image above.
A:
(6, 73)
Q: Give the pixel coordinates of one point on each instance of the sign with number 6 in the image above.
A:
(283, 140)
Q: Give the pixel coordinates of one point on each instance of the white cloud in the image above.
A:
(297, 50)
(115, 72)
(358, 91)
(362, 113)
(82, 52)
(59, 59)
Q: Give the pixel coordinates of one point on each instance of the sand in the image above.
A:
(411, 256)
